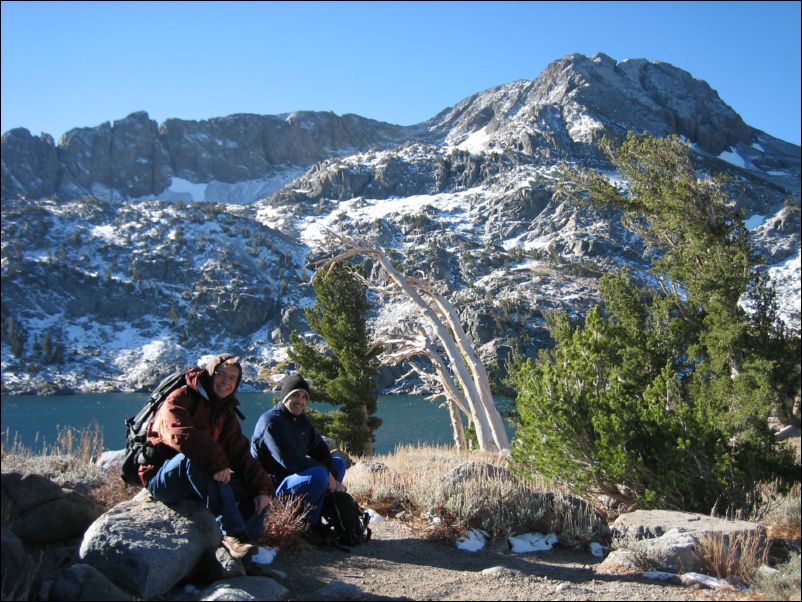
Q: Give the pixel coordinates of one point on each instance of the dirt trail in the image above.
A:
(397, 565)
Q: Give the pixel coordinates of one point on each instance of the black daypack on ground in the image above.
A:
(346, 522)
(137, 451)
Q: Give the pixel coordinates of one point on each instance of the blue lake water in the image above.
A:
(36, 420)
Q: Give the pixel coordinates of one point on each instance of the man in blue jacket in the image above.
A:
(293, 453)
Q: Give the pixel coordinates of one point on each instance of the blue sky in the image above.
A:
(79, 64)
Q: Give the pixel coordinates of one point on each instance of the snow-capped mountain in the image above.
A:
(129, 249)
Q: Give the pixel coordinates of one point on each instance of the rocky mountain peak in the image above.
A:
(577, 100)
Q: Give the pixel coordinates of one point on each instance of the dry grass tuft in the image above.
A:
(444, 493)
(110, 490)
(783, 518)
(782, 584)
(69, 461)
(735, 555)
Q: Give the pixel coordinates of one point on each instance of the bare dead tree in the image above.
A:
(464, 379)
(455, 400)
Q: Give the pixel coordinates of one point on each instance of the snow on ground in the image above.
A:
(733, 158)
(452, 207)
(184, 190)
(532, 542)
(581, 126)
(392, 314)
(239, 193)
(107, 233)
(785, 278)
(476, 143)
(136, 354)
(598, 549)
(473, 541)
(375, 517)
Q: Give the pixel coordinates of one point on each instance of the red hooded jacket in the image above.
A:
(210, 434)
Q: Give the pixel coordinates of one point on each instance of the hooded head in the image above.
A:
(225, 373)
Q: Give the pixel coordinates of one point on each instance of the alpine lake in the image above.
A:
(35, 421)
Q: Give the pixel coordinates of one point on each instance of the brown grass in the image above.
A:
(735, 555)
(784, 584)
(110, 490)
(70, 462)
(783, 518)
(414, 480)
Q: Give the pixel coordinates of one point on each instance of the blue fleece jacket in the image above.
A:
(286, 444)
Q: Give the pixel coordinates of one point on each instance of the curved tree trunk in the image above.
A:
(464, 363)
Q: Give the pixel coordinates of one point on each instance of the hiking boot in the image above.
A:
(237, 547)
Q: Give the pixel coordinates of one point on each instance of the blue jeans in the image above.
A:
(180, 478)
(312, 483)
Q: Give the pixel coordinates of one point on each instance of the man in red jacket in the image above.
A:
(197, 428)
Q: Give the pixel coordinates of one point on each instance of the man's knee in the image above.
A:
(319, 478)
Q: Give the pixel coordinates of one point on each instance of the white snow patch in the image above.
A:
(134, 355)
(246, 192)
(184, 190)
(785, 278)
(532, 542)
(659, 575)
(476, 143)
(777, 172)
(598, 549)
(392, 315)
(107, 233)
(733, 158)
(582, 127)
(375, 517)
(366, 211)
(237, 193)
(473, 541)
(758, 147)
(705, 580)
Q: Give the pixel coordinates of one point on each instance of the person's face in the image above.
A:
(296, 403)
(225, 381)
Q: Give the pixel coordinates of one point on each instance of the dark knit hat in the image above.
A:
(292, 383)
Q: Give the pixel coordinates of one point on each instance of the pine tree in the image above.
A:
(663, 398)
(344, 373)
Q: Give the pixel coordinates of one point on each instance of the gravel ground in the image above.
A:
(397, 565)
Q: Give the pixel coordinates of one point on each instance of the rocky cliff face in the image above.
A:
(135, 157)
(103, 288)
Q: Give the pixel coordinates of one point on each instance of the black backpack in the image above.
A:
(137, 450)
(346, 523)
